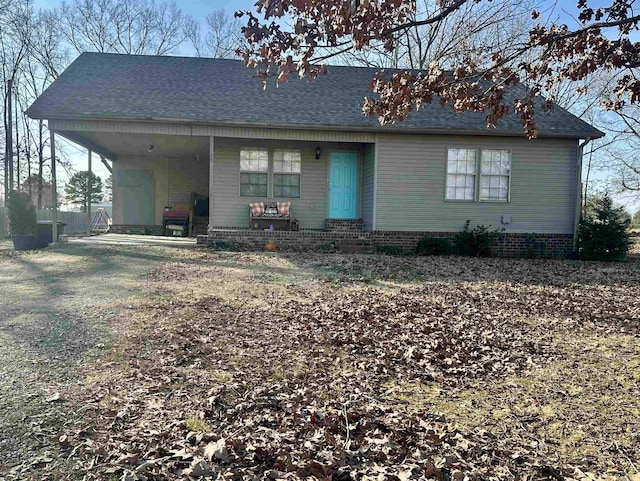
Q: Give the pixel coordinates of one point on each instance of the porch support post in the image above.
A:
(578, 206)
(54, 188)
(89, 194)
(211, 173)
(375, 185)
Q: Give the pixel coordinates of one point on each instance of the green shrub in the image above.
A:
(326, 248)
(22, 215)
(220, 245)
(433, 246)
(391, 250)
(603, 235)
(533, 247)
(475, 242)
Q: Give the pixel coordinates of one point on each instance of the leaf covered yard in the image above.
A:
(291, 366)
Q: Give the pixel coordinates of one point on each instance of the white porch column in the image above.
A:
(89, 194)
(54, 189)
(211, 173)
(375, 185)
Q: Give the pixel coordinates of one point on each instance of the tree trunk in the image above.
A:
(17, 146)
(28, 154)
(9, 135)
(6, 158)
(40, 162)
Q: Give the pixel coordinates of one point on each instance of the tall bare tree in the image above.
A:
(472, 31)
(15, 36)
(222, 37)
(36, 77)
(622, 154)
(47, 50)
(122, 26)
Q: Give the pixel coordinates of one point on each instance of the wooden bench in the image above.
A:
(269, 218)
(176, 222)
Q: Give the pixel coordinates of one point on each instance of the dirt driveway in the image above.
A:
(57, 308)
(146, 362)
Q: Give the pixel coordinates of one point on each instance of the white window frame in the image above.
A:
(449, 173)
(253, 171)
(275, 171)
(478, 175)
(270, 171)
(506, 177)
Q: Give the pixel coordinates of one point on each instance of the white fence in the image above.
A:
(76, 221)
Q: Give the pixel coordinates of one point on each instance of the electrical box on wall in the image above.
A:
(506, 219)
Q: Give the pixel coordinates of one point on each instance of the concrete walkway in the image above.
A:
(133, 240)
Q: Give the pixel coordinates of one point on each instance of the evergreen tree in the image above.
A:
(603, 234)
(77, 189)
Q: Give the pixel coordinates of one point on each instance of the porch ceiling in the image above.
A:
(137, 145)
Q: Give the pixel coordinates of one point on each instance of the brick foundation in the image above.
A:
(198, 229)
(355, 241)
(344, 225)
(301, 241)
(507, 245)
(137, 229)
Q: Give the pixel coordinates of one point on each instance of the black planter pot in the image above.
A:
(44, 232)
(26, 242)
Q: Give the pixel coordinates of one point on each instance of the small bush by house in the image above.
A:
(433, 246)
(475, 242)
(603, 235)
(534, 247)
(391, 250)
(22, 215)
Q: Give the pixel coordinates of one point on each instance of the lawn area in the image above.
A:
(155, 363)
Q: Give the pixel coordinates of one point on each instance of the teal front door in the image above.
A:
(343, 185)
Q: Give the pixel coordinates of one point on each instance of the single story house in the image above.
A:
(195, 131)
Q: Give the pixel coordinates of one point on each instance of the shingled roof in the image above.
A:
(215, 91)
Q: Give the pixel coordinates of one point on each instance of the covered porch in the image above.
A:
(161, 171)
(159, 180)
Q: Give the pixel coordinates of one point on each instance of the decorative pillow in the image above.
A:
(283, 208)
(257, 208)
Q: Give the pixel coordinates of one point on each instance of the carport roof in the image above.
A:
(215, 91)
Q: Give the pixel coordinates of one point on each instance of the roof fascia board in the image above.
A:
(389, 129)
(186, 129)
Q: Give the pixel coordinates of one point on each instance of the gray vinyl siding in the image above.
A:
(411, 185)
(229, 209)
(368, 171)
(188, 175)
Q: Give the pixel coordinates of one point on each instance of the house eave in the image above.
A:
(387, 129)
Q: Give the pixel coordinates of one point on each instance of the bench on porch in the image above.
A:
(175, 220)
(263, 215)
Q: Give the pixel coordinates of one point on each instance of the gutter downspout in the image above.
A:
(578, 206)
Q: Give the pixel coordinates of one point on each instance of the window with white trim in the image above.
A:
(495, 169)
(486, 180)
(286, 173)
(254, 173)
(461, 174)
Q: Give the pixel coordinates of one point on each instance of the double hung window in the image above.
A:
(286, 173)
(478, 175)
(263, 172)
(254, 173)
